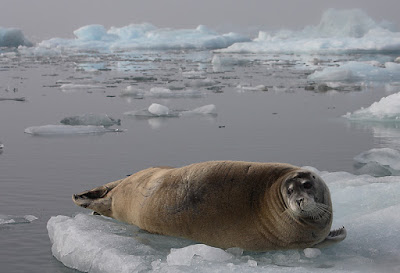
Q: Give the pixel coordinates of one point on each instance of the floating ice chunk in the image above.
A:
(221, 63)
(144, 36)
(158, 109)
(339, 31)
(312, 252)
(49, 130)
(12, 37)
(201, 83)
(386, 109)
(161, 93)
(75, 87)
(379, 162)
(13, 219)
(184, 256)
(357, 71)
(209, 109)
(260, 87)
(194, 74)
(91, 119)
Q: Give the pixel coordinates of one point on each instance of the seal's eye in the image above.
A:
(307, 185)
(289, 191)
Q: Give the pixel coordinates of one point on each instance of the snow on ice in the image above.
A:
(367, 206)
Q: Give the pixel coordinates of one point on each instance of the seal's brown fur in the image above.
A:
(220, 203)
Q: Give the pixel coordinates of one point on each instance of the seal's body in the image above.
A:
(254, 206)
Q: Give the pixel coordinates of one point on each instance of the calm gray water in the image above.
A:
(38, 175)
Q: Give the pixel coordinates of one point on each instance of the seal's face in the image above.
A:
(304, 194)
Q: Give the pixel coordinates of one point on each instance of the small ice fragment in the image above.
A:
(158, 109)
(312, 253)
(209, 109)
(14, 219)
(67, 130)
(184, 256)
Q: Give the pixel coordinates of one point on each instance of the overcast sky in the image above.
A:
(43, 19)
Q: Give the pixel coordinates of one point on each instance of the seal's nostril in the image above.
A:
(299, 201)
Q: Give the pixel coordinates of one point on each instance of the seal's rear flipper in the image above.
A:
(97, 199)
(335, 236)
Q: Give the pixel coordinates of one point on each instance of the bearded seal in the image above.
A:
(253, 206)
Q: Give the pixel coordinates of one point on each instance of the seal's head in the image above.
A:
(307, 197)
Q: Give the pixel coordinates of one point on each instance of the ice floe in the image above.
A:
(14, 219)
(357, 71)
(54, 130)
(339, 31)
(158, 110)
(378, 162)
(160, 92)
(259, 87)
(91, 119)
(387, 109)
(13, 37)
(144, 36)
(367, 206)
(71, 87)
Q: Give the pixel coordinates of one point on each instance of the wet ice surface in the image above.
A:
(270, 108)
(365, 205)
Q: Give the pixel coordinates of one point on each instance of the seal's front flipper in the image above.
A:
(335, 236)
(97, 199)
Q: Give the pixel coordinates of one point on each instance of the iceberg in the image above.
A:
(144, 36)
(339, 31)
(386, 109)
(54, 130)
(13, 37)
(91, 119)
(14, 219)
(366, 205)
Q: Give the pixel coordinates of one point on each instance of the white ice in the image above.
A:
(54, 130)
(357, 72)
(12, 37)
(71, 87)
(367, 206)
(144, 36)
(158, 110)
(161, 92)
(259, 87)
(91, 119)
(379, 162)
(339, 31)
(14, 219)
(386, 109)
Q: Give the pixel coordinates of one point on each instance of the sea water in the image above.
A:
(261, 106)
